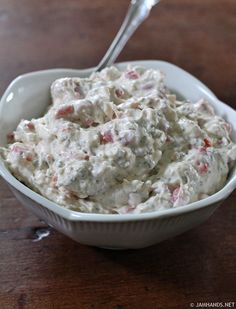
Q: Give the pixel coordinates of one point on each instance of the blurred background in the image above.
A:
(198, 36)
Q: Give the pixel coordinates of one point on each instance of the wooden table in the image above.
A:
(56, 272)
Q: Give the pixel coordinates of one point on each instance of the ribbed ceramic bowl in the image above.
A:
(27, 97)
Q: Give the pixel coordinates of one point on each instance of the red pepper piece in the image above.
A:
(175, 194)
(64, 111)
(29, 158)
(106, 138)
(30, 126)
(202, 167)
(119, 92)
(207, 142)
(132, 75)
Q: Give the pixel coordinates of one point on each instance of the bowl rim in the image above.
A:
(73, 215)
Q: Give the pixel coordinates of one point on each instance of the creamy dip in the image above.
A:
(119, 142)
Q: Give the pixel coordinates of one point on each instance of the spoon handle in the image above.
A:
(138, 11)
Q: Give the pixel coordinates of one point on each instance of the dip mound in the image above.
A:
(120, 142)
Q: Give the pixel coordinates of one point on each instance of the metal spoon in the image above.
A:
(138, 11)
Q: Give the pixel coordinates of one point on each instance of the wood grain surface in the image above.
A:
(56, 272)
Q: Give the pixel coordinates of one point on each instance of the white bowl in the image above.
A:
(27, 97)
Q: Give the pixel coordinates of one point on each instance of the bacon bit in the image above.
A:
(119, 92)
(64, 111)
(11, 137)
(30, 126)
(132, 75)
(106, 138)
(207, 142)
